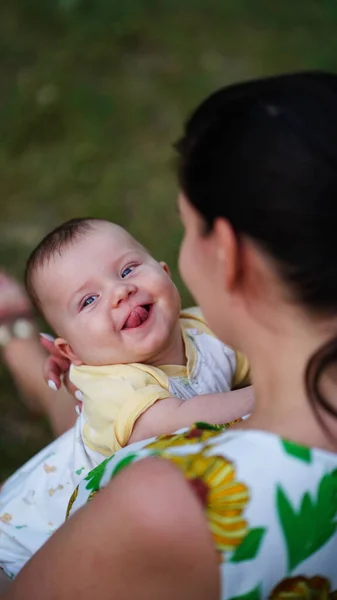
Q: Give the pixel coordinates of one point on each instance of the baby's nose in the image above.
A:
(122, 292)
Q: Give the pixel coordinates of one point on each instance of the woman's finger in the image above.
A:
(74, 391)
(52, 373)
(47, 341)
(53, 370)
(56, 369)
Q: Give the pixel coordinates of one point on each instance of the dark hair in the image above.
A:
(53, 243)
(263, 155)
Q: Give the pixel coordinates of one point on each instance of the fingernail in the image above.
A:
(79, 395)
(48, 337)
(52, 385)
(77, 410)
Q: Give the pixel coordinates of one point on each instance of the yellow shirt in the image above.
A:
(114, 396)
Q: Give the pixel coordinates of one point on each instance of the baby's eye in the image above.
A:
(89, 300)
(127, 271)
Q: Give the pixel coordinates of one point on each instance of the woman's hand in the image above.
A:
(56, 368)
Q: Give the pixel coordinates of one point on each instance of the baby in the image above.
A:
(145, 368)
(135, 356)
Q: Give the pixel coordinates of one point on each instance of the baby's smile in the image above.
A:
(137, 316)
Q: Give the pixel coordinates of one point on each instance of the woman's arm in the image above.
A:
(4, 582)
(116, 547)
(171, 414)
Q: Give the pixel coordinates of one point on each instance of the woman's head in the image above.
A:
(258, 168)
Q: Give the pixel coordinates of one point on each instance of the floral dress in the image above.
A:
(270, 504)
(33, 501)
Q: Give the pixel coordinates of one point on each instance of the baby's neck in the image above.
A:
(174, 352)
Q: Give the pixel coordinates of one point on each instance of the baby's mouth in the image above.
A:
(137, 317)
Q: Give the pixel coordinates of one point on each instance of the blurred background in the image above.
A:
(92, 95)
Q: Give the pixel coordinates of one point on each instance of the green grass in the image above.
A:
(94, 92)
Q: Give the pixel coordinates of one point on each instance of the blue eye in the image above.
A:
(88, 301)
(127, 271)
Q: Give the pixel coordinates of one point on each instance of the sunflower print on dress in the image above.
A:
(306, 588)
(224, 498)
(198, 433)
(71, 501)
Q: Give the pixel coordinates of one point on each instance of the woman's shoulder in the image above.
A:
(289, 515)
(277, 472)
(267, 447)
(264, 462)
(270, 504)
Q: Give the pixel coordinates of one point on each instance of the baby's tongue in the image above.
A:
(137, 316)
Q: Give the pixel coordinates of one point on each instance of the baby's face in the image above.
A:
(108, 299)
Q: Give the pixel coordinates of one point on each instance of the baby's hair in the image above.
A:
(54, 243)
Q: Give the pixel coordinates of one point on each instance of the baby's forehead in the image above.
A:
(110, 232)
(103, 242)
(99, 240)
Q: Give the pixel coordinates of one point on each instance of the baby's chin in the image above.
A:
(98, 360)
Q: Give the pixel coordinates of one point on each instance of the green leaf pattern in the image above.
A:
(297, 451)
(94, 477)
(250, 545)
(127, 460)
(313, 524)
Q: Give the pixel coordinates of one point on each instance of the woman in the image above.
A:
(247, 513)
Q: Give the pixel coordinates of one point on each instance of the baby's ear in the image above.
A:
(165, 267)
(66, 350)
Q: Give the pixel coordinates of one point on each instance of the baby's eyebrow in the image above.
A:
(135, 252)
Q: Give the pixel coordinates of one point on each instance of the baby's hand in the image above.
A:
(56, 368)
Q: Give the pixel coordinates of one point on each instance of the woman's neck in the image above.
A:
(278, 361)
